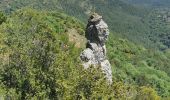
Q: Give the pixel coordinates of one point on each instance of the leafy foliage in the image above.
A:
(39, 62)
(135, 23)
(137, 65)
(150, 3)
(125, 20)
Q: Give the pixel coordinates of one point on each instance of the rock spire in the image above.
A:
(97, 33)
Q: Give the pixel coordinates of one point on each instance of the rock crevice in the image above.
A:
(97, 33)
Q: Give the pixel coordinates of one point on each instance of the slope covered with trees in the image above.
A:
(150, 3)
(38, 61)
(125, 20)
(135, 23)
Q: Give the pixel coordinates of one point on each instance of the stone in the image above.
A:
(106, 68)
(97, 33)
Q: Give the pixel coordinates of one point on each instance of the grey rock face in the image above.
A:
(97, 33)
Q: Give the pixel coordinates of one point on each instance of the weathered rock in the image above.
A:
(106, 68)
(95, 53)
(88, 58)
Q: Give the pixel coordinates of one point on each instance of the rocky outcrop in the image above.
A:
(95, 53)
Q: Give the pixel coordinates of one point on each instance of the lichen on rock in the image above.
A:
(97, 33)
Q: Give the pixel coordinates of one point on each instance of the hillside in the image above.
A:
(136, 23)
(125, 20)
(39, 60)
(150, 3)
(41, 41)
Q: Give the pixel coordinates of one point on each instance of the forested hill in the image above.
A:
(134, 23)
(150, 3)
(39, 58)
(40, 44)
(123, 19)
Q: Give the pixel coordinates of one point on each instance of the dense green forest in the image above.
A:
(125, 20)
(149, 3)
(135, 23)
(38, 59)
